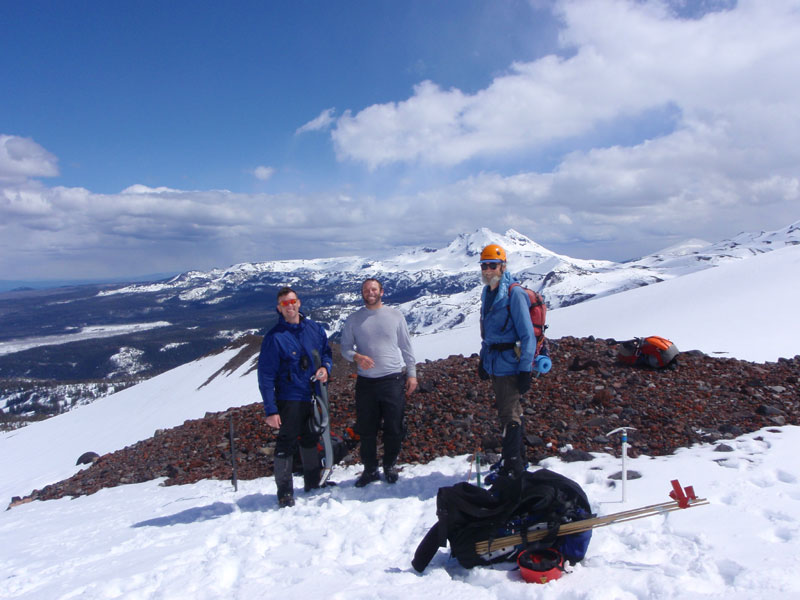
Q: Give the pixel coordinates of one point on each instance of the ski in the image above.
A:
(322, 414)
(681, 499)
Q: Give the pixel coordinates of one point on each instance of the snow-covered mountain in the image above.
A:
(445, 283)
(208, 541)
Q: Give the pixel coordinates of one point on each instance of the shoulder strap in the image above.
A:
(508, 306)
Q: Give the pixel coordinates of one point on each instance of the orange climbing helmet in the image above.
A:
(493, 252)
(540, 566)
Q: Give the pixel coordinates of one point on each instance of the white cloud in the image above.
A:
(21, 158)
(621, 59)
(320, 123)
(138, 188)
(263, 173)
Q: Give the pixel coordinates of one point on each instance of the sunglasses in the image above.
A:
(490, 266)
(289, 301)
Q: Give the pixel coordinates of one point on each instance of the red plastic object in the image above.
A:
(678, 495)
(540, 566)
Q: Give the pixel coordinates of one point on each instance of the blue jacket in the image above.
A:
(501, 326)
(283, 373)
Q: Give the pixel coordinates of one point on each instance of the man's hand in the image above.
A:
(321, 375)
(482, 373)
(523, 381)
(274, 421)
(363, 361)
(411, 385)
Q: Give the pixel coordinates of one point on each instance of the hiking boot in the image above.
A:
(311, 480)
(513, 465)
(283, 480)
(311, 468)
(390, 474)
(368, 476)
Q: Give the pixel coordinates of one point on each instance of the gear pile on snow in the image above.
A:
(486, 526)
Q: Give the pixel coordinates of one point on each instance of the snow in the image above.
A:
(208, 541)
(46, 452)
(744, 309)
(86, 333)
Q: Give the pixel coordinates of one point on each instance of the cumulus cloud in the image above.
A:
(727, 146)
(321, 123)
(46, 232)
(21, 158)
(620, 59)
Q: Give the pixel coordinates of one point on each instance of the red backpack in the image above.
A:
(654, 351)
(538, 312)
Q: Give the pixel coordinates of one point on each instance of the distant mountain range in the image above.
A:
(126, 332)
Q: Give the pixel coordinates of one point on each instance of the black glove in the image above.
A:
(523, 381)
(482, 372)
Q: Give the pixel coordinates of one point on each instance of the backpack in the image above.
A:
(538, 312)
(654, 351)
(539, 500)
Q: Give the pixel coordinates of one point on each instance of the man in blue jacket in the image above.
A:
(285, 369)
(507, 349)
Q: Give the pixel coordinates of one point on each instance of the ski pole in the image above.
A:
(234, 479)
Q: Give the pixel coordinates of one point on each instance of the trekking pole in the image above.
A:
(478, 470)
(234, 480)
(624, 431)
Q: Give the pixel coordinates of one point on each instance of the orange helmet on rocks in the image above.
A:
(493, 252)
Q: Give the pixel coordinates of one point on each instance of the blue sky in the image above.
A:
(143, 137)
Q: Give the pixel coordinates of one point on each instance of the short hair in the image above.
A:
(368, 279)
(284, 291)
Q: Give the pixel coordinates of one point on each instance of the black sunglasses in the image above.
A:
(490, 266)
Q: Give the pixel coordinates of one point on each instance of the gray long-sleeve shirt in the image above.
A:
(381, 334)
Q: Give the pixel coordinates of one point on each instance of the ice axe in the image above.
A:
(624, 431)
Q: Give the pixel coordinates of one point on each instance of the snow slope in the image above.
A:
(745, 309)
(35, 455)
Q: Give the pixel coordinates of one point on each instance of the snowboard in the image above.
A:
(323, 422)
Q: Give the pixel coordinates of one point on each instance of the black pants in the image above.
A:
(295, 416)
(380, 404)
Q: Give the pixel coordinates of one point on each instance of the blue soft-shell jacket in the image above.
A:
(501, 327)
(283, 373)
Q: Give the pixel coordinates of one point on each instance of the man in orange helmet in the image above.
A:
(507, 350)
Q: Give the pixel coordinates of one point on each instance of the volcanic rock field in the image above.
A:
(568, 412)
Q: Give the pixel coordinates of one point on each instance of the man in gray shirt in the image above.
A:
(376, 338)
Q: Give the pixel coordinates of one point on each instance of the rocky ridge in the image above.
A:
(568, 412)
